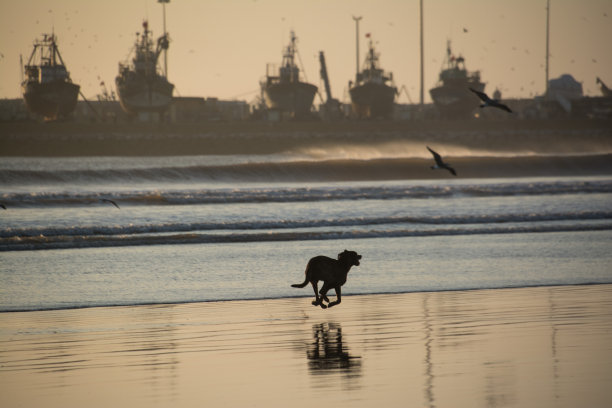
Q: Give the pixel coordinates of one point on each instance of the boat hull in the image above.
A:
(53, 100)
(370, 100)
(456, 101)
(293, 97)
(139, 95)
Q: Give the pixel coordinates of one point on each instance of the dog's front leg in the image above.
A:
(338, 297)
(323, 292)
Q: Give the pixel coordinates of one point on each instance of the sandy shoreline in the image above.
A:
(527, 347)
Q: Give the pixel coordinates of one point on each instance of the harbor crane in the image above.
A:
(331, 107)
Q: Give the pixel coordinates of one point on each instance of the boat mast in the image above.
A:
(422, 71)
(53, 50)
(163, 2)
(547, 40)
(56, 53)
(357, 47)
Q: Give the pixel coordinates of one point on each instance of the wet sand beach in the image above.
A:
(522, 347)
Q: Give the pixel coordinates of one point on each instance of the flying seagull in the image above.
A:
(106, 200)
(440, 164)
(490, 102)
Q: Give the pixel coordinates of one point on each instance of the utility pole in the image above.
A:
(357, 19)
(422, 70)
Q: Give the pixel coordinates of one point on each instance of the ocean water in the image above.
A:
(210, 228)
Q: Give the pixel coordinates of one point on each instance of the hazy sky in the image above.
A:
(220, 48)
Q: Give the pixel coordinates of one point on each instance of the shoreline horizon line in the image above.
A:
(265, 298)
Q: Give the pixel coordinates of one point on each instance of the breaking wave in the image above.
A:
(322, 229)
(291, 169)
(302, 194)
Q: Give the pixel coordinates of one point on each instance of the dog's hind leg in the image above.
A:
(323, 292)
(318, 300)
(315, 288)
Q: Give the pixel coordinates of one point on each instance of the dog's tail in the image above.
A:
(300, 285)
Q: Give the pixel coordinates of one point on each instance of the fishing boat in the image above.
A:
(140, 85)
(452, 96)
(47, 88)
(373, 92)
(284, 90)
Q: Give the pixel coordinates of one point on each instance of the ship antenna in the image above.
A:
(163, 3)
(357, 19)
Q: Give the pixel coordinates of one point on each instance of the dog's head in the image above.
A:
(351, 257)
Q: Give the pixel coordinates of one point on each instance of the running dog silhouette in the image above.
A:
(333, 273)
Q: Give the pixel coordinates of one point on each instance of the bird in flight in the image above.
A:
(440, 164)
(490, 102)
(106, 200)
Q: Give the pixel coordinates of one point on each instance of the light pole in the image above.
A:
(547, 40)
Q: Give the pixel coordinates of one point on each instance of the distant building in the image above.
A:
(229, 110)
(564, 90)
(106, 111)
(187, 109)
(197, 109)
(14, 110)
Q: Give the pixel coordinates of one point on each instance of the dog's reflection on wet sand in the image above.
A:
(328, 352)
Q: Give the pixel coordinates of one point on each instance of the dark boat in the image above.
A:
(140, 86)
(284, 91)
(47, 88)
(373, 93)
(452, 95)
